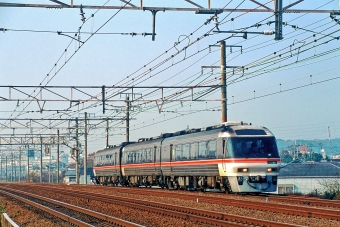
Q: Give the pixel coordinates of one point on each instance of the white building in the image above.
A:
(308, 177)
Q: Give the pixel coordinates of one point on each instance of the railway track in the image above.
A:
(290, 199)
(265, 206)
(301, 200)
(71, 214)
(210, 218)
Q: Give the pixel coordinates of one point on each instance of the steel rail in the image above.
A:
(92, 213)
(266, 206)
(178, 211)
(48, 210)
(317, 202)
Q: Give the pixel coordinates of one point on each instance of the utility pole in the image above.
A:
(77, 153)
(28, 163)
(127, 118)
(19, 164)
(6, 168)
(49, 165)
(107, 132)
(85, 150)
(58, 158)
(223, 82)
(41, 163)
(1, 166)
(223, 66)
(15, 172)
(330, 141)
(103, 98)
(12, 168)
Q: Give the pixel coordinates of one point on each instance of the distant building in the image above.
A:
(303, 150)
(336, 157)
(70, 176)
(307, 177)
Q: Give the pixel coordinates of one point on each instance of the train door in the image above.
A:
(121, 178)
(156, 167)
(171, 159)
(224, 149)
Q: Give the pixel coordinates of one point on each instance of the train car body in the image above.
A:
(234, 156)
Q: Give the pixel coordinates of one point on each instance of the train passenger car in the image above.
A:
(107, 164)
(140, 162)
(234, 156)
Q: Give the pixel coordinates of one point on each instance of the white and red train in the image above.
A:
(233, 156)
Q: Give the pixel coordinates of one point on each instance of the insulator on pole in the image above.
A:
(268, 32)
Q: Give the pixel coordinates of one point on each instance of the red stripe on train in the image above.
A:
(184, 163)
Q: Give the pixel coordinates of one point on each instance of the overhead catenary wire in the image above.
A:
(75, 52)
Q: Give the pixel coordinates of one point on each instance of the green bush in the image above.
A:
(329, 195)
(2, 207)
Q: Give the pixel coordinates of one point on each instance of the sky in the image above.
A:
(290, 86)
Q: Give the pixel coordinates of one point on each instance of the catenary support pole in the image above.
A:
(6, 169)
(127, 119)
(77, 153)
(85, 150)
(223, 81)
(28, 164)
(12, 168)
(153, 24)
(19, 164)
(58, 152)
(41, 155)
(278, 19)
(107, 132)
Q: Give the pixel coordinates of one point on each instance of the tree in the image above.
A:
(331, 187)
(286, 158)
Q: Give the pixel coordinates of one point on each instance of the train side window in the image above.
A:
(194, 150)
(131, 156)
(159, 153)
(227, 149)
(146, 157)
(152, 157)
(202, 150)
(212, 150)
(179, 152)
(186, 151)
(139, 156)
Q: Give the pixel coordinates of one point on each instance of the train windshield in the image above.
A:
(252, 147)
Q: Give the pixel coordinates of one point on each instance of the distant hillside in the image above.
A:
(313, 145)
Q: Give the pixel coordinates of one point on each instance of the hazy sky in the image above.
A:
(290, 86)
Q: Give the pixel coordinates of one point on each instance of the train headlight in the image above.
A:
(271, 169)
(242, 170)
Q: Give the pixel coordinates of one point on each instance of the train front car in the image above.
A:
(250, 159)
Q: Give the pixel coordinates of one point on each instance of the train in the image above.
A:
(233, 157)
